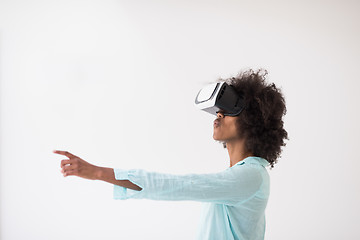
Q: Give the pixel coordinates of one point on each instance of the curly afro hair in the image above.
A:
(261, 123)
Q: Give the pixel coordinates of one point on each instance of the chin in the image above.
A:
(216, 138)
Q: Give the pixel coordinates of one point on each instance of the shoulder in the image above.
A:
(249, 171)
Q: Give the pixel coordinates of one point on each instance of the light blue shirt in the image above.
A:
(234, 199)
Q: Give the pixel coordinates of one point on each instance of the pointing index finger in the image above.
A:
(65, 153)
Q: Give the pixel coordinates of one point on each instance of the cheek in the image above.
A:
(233, 130)
(233, 127)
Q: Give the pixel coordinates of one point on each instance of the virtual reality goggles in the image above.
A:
(220, 97)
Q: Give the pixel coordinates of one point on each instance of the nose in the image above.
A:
(220, 115)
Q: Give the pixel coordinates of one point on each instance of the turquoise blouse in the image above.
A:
(234, 199)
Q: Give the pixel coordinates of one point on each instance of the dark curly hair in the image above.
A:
(261, 123)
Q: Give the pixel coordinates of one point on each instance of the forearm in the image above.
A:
(107, 175)
(75, 166)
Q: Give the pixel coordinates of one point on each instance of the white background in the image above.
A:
(114, 82)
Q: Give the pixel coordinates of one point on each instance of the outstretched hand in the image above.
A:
(75, 166)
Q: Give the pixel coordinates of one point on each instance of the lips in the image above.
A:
(216, 123)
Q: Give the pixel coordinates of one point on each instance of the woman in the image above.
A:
(234, 199)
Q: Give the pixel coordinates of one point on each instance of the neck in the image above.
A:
(237, 151)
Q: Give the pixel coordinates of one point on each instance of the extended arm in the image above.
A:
(229, 187)
(75, 166)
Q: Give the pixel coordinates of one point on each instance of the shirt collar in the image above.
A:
(254, 160)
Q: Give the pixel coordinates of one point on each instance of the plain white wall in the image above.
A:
(114, 82)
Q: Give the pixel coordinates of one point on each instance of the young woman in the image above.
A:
(234, 199)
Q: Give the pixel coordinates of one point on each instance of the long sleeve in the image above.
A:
(230, 187)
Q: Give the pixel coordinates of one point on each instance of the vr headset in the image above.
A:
(220, 97)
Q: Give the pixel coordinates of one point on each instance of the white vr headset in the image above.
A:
(220, 97)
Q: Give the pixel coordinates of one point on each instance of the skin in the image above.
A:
(224, 130)
(75, 166)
